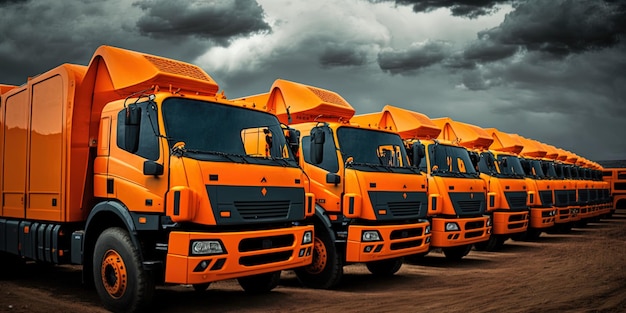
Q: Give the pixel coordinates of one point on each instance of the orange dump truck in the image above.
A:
(616, 180)
(456, 194)
(506, 188)
(540, 189)
(371, 204)
(564, 191)
(136, 168)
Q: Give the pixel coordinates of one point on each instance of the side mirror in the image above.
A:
(504, 162)
(418, 152)
(317, 145)
(152, 168)
(131, 125)
(474, 158)
(332, 178)
(293, 139)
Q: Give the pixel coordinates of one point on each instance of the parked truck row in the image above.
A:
(137, 168)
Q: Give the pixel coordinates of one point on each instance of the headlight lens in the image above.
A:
(370, 235)
(489, 221)
(452, 226)
(203, 247)
(427, 229)
(308, 237)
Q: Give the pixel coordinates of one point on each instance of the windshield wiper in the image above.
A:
(229, 156)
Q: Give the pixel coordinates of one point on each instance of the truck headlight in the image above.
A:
(427, 231)
(370, 235)
(452, 226)
(204, 247)
(489, 221)
(308, 237)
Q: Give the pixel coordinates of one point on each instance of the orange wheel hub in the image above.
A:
(114, 275)
(320, 257)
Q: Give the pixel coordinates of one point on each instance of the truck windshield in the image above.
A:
(535, 168)
(510, 166)
(549, 169)
(447, 160)
(218, 132)
(372, 150)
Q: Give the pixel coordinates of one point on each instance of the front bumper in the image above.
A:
(396, 241)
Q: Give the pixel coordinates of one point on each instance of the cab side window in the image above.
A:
(148, 145)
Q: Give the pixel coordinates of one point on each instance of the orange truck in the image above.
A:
(456, 194)
(564, 192)
(371, 205)
(506, 188)
(540, 189)
(135, 167)
(616, 179)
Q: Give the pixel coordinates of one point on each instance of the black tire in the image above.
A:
(456, 253)
(11, 266)
(199, 288)
(120, 280)
(415, 258)
(261, 283)
(385, 267)
(326, 269)
(494, 243)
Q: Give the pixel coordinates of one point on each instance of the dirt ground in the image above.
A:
(583, 271)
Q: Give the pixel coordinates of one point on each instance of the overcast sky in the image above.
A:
(551, 70)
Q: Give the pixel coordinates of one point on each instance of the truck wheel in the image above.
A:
(326, 269)
(456, 253)
(261, 283)
(384, 267)
(121, 282)
(494, 243)
(201, 287)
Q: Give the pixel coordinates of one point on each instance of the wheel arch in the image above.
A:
(105, 215)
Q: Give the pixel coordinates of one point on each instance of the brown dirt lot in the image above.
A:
(583, 271)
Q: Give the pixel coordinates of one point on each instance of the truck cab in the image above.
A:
(371, 204)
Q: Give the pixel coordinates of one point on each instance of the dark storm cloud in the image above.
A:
(342, 56)
(216, 20)
(464, 8)
(417, 56)
(39, 35)
(560, 27)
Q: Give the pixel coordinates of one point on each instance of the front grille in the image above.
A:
(468, 203)
(265, 258)
(571, 196)
(517, 218)
(473, 234)
(405, 233)
(560, 198)
(405, 244)
(253, 210)
(516, 200)
(546, 198)
(263, 243)
(408, 208)
(583, 195)
(593, 195)
(474, 225)
(469, 206)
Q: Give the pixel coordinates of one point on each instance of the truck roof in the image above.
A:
(466, 135)
(408, 124)
(504, 142)
(306, 103)
(532, 148)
